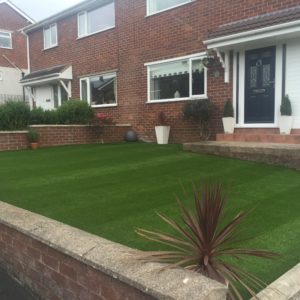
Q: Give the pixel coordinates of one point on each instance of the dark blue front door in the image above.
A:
(260, 85)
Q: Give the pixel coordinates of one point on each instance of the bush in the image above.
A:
(286, 106)
(37, 116)
(14, 115)
(51, 117)
(75, 112)
(228, 110)
(200, 112)
(33, 136)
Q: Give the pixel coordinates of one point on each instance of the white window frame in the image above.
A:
(10, 37)
(191, 58)
(85, 13)
(87, 79)
(56, 32)
(163, 10)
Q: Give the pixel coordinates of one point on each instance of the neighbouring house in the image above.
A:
(13, 50)
(133, 59)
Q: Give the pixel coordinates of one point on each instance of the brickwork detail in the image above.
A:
(63, 135)
(52, 275)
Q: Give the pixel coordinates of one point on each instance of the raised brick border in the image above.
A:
(59, 262)
(59, 135)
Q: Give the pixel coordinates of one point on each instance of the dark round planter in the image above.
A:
(131, 136)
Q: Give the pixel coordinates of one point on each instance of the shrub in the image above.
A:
(51, 117)
(37, 116)
(162, 119)
(200, 112)
(206, 244)
(14, 115)
(75, 112)
(33, 136)
(286, 106)
(228, 109)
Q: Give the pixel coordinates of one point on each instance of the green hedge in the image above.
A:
(17, 115)
(14, 115)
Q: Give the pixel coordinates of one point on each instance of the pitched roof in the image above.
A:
(45, 73)
(260, 21)
(18, 10)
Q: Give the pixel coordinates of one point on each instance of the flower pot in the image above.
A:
(285, 124)
(162, 134)
(34, 146)
(228, 124)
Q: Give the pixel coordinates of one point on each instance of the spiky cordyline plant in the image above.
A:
(204, 244)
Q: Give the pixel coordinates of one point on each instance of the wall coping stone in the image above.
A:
(287, 287)
(113, 259)
(13, 132)
(79, 125)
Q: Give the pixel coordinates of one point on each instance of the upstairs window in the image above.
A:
(96, 20)
(155, 6)
(50, 36)
(5, 40)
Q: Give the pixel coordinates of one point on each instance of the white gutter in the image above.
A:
(261, 33)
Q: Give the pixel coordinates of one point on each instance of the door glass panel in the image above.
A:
(266, 75)
(253, 77)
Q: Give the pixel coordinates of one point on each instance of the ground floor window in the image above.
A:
(179, 79)
(99, 90)
(60, 95)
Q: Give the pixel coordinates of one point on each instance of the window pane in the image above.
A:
(158, 5)
(5, 40)
(198, 78)
(55, 95)
(102, 89)
(169, 81)
(101, 18)
(47, 38)
(84, 95)
(63, 94)
(81, 24)
(53, 35)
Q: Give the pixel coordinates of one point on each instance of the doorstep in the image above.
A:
(287, 155)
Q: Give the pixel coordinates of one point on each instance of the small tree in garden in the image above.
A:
(228, 109)
(200, 112)
(205, 244)
(286, 106)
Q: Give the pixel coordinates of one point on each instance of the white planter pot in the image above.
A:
(228, 124)
(162, 134)
(285, 124)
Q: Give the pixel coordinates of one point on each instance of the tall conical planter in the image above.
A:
(162, 134)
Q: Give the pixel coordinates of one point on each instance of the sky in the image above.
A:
(41, 9)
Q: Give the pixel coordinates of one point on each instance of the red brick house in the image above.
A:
(13, 50)
(135, 58)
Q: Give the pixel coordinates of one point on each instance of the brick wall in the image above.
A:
(63, 135)
(53, 275)
(10, 20)
(13, 141)
(59, 262)
(137, 40)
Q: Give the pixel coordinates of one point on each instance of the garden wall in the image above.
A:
(57, 135)
(56, 261)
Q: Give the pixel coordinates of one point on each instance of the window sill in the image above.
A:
(177, 100)
(104, 105)
(55, 46)
(167, 9)
(90, 34)
(7, 48)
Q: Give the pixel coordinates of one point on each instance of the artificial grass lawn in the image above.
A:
(109, 190)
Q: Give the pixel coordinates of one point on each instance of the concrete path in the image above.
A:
(11, 290)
